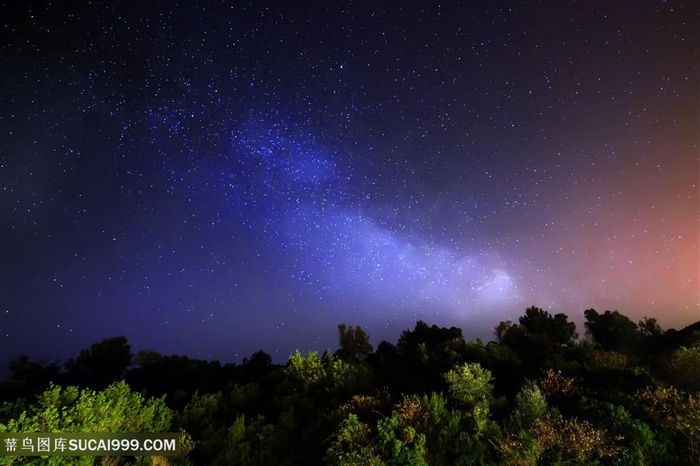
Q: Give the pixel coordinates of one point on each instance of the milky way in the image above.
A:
(301, 200)
(213, 179)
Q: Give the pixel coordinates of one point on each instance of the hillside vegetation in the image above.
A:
(626, 394)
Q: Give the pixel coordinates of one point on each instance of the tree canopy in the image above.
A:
(627, 395)
(611, 330)
(354, 342)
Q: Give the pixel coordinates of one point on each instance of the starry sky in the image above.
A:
(213, 178)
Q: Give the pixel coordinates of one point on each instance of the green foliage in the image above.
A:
(393, 441)
(307, 383)
(399, 443)
(470, 385)
(571, 441)
(420, 430)
(519, 448)
(433, 400)
(677, 411)
(447, 441)
(518, 444)
(308, 370)
(114, 409)
(683, 369)
(243, 396)
(530, 405)
(640, 445)
(247, 443)
(328, 374)
(352, 445)
(204, 414)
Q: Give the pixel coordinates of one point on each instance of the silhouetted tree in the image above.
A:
(688, 337)
(102, 364)
(179, 377)
(259, 359)
(354, 342)
(511, 335)
(501, 330)
(34, 373)
(628, 395)
(386, 365)
(28, 378)
(556, 329)
(433, 337)
(539, 339)
(426, 352)
(255, 367)
(611, 331)
(148, 358)
(649, 327)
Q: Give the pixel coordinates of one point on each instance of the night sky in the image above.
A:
(214, 178)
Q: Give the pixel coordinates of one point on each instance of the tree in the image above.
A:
(104, 363)
(611, 331)
(354, 342)
(325, 374)
(557, 329)
(148, 358)
(684, 368)
(572, 441)
(400, 443)
(351, 445)
(34, 372)
(393, 441)
(426, 353)
(247, 443)
(259, 360)
(256, 367)
(502, 329)
(470, 385)
(432, 337)
(679, 412)
(649, 327)
(29, 378)
(538, 338)
(530, 405)
(116, 409)
(637, 440)
(519, 444)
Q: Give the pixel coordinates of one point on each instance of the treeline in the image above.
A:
(627, 394)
